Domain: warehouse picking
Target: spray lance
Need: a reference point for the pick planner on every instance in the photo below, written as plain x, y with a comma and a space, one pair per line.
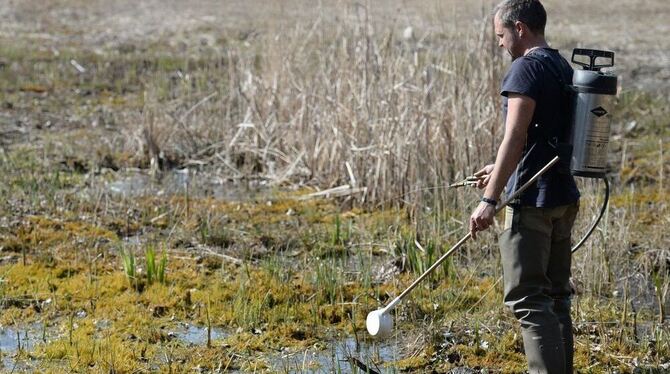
590, 95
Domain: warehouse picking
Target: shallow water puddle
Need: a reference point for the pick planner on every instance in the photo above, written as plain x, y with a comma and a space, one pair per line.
182, 182
195, 335
14, 339
343, 356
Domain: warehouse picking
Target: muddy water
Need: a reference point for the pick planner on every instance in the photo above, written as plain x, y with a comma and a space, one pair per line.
344, 355
339, 356
196, 335
14, 340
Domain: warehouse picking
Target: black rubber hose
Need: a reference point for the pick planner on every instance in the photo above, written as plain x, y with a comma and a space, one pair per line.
602, 213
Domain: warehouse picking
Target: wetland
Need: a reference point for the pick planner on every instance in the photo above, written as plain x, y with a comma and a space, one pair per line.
234, 187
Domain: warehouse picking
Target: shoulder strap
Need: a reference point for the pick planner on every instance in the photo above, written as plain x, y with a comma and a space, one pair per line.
547, 63
560, 146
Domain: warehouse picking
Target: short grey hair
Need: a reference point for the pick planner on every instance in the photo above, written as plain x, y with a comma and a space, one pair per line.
530, 12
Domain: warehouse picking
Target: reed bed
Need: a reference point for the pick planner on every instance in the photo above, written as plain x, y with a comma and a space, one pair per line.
333, 104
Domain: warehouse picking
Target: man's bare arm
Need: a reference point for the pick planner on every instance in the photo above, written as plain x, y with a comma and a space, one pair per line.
520, 110
519, 114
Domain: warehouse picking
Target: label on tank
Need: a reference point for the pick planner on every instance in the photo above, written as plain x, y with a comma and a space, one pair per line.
595, 156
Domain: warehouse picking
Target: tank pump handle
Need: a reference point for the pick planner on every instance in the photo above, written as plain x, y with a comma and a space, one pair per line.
592, 54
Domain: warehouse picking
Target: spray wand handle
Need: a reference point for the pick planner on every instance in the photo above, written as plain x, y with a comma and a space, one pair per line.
437, 263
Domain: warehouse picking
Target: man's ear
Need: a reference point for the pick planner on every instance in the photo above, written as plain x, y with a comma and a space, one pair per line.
520, 28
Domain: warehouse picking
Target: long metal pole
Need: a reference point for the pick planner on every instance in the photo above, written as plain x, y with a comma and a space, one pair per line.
437, 263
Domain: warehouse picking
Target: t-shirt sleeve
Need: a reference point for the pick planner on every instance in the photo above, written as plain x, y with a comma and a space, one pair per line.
522, 78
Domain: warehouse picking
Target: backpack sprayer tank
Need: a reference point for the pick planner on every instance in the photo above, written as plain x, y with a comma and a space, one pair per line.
594, 93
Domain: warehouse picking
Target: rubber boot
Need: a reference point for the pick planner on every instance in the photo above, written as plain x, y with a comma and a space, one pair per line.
544, 350
562, 311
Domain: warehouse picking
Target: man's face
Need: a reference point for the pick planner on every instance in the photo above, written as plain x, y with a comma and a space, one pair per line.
508, 38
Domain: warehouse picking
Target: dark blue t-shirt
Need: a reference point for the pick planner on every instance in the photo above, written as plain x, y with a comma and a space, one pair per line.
536, 75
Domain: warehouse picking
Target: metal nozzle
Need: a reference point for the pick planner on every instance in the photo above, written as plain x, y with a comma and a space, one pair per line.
469, 181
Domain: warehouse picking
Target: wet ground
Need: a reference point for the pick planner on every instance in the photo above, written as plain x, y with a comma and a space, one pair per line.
342, 356
184, 182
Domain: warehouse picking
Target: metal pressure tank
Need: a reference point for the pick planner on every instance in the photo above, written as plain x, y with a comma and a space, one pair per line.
595, 91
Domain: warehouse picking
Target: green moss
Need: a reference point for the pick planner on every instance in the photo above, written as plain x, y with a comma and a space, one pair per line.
416, 362
42, 233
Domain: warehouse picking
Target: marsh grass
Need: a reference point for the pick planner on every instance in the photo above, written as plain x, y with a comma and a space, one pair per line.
155, 271
129, 266
661, 285
327, 280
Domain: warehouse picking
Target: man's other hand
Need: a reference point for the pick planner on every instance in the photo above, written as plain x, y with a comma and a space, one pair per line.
484, 176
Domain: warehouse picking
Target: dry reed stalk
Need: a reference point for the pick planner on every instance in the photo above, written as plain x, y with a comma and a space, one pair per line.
324, 104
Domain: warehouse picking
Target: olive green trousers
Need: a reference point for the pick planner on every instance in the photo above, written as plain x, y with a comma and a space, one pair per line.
536, 257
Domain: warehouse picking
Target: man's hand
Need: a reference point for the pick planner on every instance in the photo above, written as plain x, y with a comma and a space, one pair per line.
484, 176
481, 218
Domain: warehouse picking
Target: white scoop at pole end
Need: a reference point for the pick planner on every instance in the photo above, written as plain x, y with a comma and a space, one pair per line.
379, 323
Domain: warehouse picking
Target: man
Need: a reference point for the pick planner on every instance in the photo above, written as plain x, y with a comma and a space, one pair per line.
535, 243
